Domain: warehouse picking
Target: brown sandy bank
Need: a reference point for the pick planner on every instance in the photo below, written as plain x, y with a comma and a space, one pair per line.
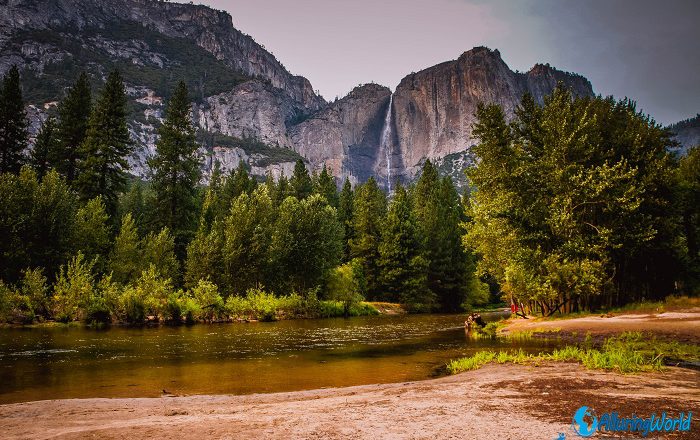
678, 325
498, 401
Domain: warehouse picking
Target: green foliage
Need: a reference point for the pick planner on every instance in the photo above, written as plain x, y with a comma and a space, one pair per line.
104, 152
125, 259
74, 290
74, 114
438, 213
344, 285
247, 235
368, 215
175, 171
688, 202
13, 123
306, 242
346, 209
36, 223
628, 353
44, 147
324, 185
92, 233
206, 296
301, 183
35, 289
573, 204
158, 252
403, 268
204, 256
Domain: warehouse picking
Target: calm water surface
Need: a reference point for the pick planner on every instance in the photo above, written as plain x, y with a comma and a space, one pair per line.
51, 363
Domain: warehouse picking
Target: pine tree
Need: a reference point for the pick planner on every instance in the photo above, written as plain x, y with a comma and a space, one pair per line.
238, 182
133, 202
324, 185
403, 269
44, 147
370, 208
106, 147
301, 183
345, 216
13, 123
438, 212
282, 190
175, 171
74, 114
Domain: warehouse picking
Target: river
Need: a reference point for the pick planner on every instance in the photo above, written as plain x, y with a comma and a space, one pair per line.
74, 362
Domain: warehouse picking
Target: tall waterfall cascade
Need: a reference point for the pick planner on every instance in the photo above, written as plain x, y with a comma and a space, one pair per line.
385, 142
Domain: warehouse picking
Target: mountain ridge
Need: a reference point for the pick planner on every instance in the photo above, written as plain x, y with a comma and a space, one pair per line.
242, 91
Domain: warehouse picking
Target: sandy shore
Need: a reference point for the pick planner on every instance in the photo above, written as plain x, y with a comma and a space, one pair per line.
677, 325
498, 401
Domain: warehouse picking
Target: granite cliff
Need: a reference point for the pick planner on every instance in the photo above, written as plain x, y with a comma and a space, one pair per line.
247, 106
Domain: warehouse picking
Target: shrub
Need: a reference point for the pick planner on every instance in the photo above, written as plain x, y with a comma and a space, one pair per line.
34, 288
211, 304
74, 290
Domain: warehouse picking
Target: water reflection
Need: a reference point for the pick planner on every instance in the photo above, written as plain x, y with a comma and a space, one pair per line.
48, 363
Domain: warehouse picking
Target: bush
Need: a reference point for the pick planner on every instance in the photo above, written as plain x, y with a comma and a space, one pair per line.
211, 304
74, 290
132, 306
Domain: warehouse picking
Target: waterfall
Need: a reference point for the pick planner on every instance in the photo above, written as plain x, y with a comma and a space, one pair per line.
386, 142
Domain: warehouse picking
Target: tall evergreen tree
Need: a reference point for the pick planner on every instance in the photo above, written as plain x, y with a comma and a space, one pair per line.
106, 147
73, 116
324, 185
13, 123
238, 182
301, 183
403, 269
438, 212
346, 209
44, 147
370, 208
175, 171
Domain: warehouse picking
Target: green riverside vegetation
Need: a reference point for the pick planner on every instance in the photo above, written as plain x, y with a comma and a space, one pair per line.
631, 352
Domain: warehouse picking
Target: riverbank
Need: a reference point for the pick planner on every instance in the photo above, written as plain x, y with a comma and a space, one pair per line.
681, 325
498, 401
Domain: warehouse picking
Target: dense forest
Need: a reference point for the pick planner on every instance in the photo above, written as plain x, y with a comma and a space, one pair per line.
84, 241
573, 205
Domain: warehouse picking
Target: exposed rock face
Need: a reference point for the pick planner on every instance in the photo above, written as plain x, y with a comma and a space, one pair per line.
434, 109
212, 30
249, 94
252, 109
345, 135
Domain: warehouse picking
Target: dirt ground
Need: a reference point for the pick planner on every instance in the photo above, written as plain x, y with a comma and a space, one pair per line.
496, 402
677, 325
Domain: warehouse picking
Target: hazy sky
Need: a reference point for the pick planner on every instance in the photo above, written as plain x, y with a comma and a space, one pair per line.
647, 50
